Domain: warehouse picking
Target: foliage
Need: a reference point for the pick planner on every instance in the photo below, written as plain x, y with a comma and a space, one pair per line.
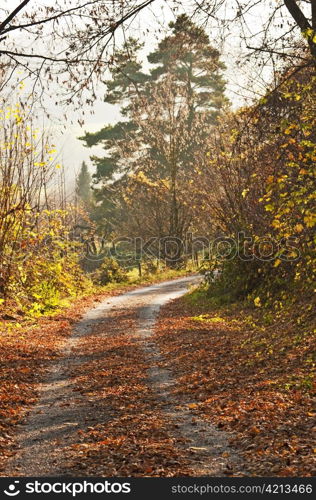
39, 261
110, 272
248, 377
264, 195
169, 111
83, 186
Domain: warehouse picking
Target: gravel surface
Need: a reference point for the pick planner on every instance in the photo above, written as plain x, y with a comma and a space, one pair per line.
53, 424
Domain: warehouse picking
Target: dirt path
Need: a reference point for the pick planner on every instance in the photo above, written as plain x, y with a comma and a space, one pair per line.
64, 433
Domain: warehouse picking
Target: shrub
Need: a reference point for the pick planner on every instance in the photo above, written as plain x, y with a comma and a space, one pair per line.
110, 272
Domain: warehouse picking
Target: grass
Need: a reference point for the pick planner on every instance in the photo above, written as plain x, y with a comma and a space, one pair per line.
270, 333
165, 274
250, 371
31, 314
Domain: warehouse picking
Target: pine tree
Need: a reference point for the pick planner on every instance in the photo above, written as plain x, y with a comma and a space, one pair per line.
168, 114
83, 185
194, 65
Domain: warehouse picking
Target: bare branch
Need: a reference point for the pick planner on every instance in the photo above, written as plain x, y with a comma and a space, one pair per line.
297, 14
13, 14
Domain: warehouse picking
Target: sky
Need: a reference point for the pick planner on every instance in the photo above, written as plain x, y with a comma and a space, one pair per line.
243, 83
72, 150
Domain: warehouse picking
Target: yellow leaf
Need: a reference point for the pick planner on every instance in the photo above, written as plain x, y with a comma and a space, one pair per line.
257, 302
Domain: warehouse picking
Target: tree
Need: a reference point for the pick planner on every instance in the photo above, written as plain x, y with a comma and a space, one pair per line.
259, 189
83, 185
38, 259
71, 43
266, 27
76, 40
169, 112
187, 56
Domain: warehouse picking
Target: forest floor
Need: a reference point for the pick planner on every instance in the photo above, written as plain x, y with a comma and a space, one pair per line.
252, 378
103, 389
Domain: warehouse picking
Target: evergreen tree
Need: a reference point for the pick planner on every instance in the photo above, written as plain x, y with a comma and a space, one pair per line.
194, 64
83, 185
168, 114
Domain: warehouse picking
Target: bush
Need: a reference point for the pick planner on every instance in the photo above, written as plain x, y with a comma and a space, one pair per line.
150, 267
110, 272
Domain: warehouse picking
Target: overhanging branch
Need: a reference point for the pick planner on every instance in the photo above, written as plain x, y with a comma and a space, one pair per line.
13, 14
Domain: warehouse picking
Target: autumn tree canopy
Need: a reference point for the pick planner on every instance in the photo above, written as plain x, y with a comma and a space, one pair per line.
71, 44
168, 113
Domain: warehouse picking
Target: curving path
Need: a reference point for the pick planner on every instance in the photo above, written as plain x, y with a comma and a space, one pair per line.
54, 421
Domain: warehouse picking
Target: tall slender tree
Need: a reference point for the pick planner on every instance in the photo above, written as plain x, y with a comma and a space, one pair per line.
168, 113
83, 185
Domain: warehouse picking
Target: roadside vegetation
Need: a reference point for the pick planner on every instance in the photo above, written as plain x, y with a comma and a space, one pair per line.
250, 372
188, 183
